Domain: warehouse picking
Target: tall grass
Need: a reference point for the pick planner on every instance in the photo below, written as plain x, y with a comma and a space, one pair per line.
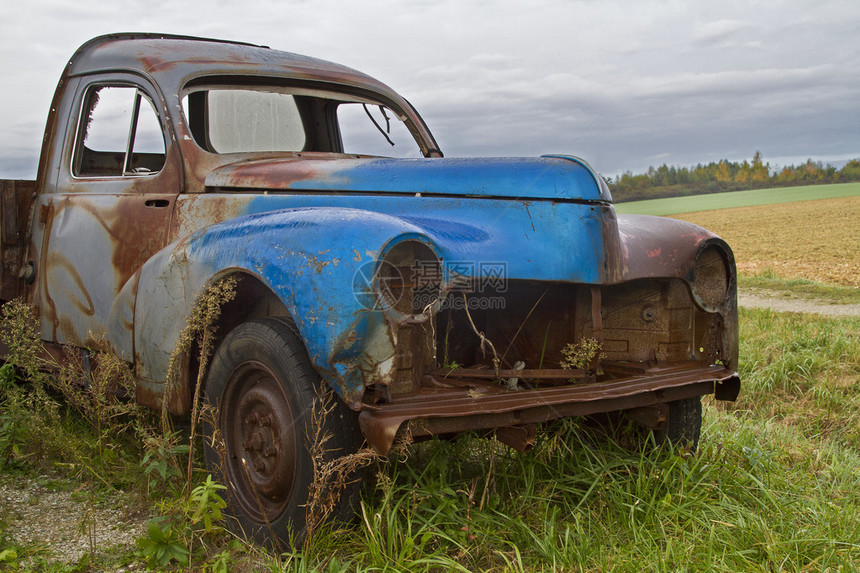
802, 372
75, 416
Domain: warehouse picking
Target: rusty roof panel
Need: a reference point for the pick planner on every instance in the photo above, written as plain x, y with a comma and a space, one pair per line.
187, 56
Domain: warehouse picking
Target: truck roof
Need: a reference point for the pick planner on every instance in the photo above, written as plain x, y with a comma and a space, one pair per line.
181, 58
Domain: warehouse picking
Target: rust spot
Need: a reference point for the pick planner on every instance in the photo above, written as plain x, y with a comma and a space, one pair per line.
57, 261
277, 173
43, 294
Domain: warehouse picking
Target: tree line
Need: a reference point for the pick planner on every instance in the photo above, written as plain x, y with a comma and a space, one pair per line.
724, 175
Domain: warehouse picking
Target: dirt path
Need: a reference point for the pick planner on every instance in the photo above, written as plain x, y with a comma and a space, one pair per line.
761, 298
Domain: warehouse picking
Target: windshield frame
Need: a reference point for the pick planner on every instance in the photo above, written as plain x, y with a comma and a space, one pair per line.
326, 97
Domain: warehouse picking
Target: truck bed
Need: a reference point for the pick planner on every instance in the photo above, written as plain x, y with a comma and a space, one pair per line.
17, 198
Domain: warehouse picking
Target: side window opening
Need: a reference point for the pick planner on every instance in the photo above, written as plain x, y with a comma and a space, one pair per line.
120, 134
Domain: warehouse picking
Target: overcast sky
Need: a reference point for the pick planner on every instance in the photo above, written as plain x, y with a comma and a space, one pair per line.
624, 84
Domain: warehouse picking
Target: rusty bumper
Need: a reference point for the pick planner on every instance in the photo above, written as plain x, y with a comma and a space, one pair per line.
468, 404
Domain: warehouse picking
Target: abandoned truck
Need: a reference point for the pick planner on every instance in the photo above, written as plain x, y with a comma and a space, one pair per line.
433, 295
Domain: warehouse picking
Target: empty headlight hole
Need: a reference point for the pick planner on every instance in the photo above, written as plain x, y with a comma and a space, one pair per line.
711, 278
409, 277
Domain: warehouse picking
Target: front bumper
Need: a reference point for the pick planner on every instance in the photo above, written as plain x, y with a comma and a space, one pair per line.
458, 403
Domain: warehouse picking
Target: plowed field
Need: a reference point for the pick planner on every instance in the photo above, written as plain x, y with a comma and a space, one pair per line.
816, 240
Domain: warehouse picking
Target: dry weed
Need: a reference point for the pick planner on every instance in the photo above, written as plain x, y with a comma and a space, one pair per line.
19, 331
97, 383
199, 329
93, 381
334, 474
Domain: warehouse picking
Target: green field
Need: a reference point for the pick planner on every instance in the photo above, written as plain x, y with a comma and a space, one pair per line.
689, 204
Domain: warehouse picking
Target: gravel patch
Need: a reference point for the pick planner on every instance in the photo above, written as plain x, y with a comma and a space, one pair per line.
760, 299
50, 513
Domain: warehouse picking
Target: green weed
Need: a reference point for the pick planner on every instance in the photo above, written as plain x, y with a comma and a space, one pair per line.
160, 462
162, 544
185, 526
580, 355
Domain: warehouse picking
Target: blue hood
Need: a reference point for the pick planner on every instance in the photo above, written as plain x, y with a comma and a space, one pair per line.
556, 178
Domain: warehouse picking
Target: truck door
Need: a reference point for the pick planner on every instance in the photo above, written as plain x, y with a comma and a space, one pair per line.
109, 212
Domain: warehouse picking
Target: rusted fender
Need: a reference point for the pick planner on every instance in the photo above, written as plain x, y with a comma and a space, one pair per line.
650, 246
307, 257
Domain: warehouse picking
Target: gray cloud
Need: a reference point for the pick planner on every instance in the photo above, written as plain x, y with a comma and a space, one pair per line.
625, 84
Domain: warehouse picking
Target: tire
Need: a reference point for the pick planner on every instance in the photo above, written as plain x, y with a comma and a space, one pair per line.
683, 426
263, 387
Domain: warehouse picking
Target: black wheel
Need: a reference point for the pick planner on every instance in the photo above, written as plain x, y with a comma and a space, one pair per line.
683, 426
263, 388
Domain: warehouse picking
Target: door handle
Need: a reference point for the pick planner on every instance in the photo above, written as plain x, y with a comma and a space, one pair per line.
157, 203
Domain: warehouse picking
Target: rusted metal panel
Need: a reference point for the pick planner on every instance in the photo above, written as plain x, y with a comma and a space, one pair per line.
92, 247
526, 374
8, 220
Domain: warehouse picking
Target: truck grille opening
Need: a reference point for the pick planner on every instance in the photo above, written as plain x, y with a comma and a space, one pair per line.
532, 323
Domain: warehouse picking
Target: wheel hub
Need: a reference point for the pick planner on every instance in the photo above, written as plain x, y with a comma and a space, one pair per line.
261, 446
261, 442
